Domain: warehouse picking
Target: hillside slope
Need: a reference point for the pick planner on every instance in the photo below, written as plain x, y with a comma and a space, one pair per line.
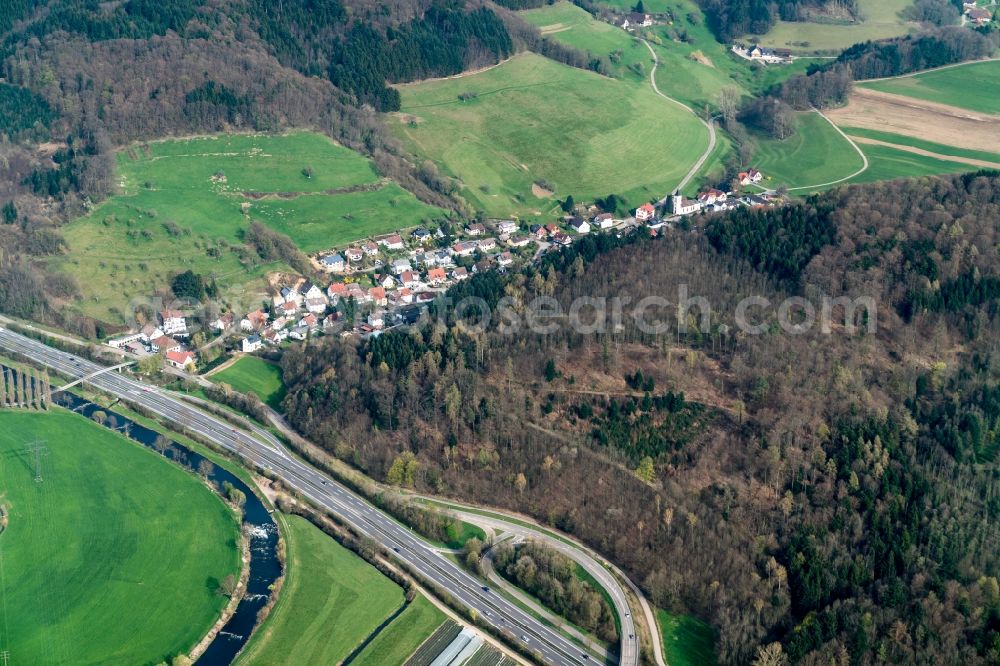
791, 486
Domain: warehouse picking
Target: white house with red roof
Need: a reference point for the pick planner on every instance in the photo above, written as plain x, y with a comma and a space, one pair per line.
180, 359
645, 212
173, 322
750, 177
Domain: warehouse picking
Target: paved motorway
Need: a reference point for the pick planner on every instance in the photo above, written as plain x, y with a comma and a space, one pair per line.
327, 493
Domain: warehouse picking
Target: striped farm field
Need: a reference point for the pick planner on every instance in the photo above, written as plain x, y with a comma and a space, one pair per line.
974, 86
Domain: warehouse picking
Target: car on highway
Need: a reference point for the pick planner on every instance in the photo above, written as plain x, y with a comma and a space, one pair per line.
485, 589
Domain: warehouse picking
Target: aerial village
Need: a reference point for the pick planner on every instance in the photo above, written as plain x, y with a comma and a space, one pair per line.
389, 280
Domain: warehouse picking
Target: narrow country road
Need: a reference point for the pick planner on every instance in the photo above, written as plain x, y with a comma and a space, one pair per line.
709, 124
864, 159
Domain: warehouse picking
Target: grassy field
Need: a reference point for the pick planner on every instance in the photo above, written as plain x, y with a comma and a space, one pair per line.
931, 146
183, 205
815, 154
250, 374
887, 163
974, 86
404, 635
317, 222
114, 558
881, 20
571, 25
330, 603
687, 641
533, 120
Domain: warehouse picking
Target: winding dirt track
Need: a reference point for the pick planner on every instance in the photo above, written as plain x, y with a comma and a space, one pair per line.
709, 124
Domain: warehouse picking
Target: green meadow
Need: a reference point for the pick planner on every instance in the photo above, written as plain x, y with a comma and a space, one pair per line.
694, 67
687, 641
532, 120
815, 154
250, 374
887, 163
931, 146
331, 601
403, 635
881, 19
184, 204
115, 557
974, 86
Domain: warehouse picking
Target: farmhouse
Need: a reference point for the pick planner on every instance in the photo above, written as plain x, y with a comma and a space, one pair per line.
645, 212
750, 177
637, 20
333, 263
979, 15
180, 359
580, 225
764, 54
164, 345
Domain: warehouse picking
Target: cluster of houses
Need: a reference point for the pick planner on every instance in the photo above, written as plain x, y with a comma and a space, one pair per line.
635, 20
382, 276
161, 338
758, 53
976, 15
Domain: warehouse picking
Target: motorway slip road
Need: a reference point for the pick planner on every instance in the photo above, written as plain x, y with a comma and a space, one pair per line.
323, 491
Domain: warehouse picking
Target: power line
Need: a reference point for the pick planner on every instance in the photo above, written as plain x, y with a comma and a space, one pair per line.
37, 449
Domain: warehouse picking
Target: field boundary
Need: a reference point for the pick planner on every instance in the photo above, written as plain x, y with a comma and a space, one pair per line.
864, 159
926, 71
971, 161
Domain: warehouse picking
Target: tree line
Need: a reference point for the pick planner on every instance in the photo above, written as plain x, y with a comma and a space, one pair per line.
731, 18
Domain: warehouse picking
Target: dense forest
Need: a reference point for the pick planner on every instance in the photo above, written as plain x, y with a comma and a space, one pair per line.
831, 494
